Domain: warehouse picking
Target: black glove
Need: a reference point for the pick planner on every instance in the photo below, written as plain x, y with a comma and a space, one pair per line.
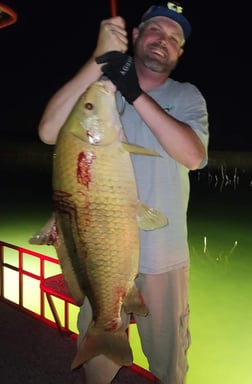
120, 69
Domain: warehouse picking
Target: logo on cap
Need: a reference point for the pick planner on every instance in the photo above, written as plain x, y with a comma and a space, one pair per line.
174, 7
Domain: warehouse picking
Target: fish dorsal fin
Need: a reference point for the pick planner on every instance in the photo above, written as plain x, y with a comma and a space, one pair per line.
137, 149
150, 219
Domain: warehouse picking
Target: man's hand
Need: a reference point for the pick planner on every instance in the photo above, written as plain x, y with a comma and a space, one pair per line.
112, 36
120, 69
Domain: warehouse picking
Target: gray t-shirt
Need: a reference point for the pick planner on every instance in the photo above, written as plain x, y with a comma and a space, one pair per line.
162, 182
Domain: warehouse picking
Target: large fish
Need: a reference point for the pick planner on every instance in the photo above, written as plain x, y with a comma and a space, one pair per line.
97, 219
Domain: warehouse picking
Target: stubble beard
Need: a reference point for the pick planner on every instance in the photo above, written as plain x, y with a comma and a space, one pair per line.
157, 65
151, 61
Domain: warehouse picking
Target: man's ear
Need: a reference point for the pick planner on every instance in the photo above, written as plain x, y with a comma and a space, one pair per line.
181, 51
135, 34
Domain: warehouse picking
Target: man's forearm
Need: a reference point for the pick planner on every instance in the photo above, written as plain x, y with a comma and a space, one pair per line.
61, 104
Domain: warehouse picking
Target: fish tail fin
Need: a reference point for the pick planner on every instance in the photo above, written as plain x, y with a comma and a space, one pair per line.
134, 302
114, 345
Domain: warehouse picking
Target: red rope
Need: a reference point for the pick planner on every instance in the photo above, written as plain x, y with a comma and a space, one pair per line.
113, 8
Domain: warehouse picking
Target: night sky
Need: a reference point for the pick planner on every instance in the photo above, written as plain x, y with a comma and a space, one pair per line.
51, 40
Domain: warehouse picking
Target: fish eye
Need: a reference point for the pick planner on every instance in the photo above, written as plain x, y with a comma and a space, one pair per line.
89, 106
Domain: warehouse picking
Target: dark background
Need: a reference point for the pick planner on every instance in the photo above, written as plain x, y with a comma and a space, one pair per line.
53, 38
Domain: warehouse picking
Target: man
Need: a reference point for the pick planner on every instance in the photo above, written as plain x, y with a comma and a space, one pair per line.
171, 118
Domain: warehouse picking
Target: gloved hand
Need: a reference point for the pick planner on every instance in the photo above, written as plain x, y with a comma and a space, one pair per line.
120, 69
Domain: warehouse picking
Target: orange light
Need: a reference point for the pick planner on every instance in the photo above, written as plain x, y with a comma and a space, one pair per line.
7, 15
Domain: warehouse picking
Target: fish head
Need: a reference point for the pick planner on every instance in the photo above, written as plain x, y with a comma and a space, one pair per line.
95, 118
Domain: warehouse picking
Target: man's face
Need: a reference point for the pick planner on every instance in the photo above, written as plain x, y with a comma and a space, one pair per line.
158, 44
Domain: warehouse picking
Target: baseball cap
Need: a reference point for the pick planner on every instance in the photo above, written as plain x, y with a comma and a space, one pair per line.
171, 10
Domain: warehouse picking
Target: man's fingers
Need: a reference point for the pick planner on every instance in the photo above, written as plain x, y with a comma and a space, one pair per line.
116, 21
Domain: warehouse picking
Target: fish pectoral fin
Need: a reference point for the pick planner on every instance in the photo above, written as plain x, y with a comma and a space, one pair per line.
133, 302
47, 235
149, 218
138, 150
114, 345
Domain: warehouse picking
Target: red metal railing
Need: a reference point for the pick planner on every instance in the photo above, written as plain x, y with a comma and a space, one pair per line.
46, 288
22, 272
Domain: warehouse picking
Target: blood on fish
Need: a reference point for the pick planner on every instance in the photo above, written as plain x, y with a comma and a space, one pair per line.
84, 168
113, 324
54, 235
